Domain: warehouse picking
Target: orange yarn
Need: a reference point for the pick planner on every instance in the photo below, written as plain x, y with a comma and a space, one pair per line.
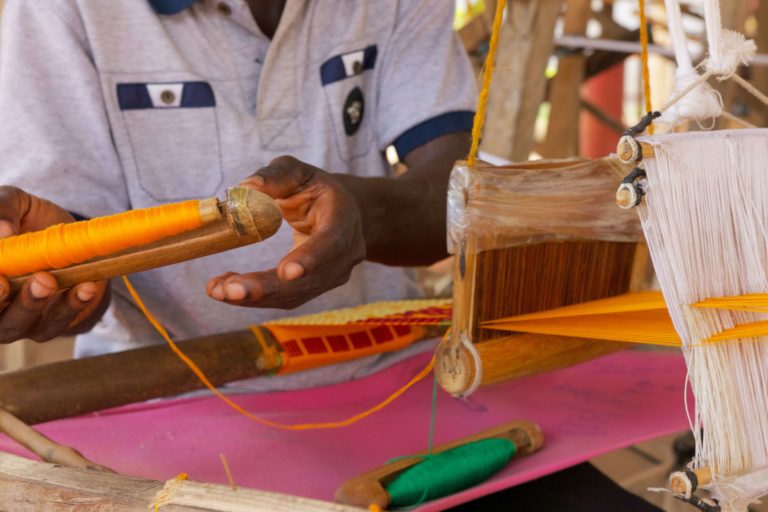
644, 59
301, 426
66, 244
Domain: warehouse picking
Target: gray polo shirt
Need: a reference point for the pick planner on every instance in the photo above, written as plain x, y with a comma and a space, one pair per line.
108, 106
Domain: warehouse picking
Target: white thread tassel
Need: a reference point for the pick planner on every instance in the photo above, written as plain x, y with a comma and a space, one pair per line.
689, 100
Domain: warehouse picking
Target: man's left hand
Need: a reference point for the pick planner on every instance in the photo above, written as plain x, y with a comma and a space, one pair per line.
327, 227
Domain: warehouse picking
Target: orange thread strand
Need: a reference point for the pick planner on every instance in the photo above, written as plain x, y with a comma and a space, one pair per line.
67, 244
482, 100
644, 59
234, 405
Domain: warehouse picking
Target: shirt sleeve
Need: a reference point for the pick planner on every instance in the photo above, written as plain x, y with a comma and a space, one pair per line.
427, 86
55, 139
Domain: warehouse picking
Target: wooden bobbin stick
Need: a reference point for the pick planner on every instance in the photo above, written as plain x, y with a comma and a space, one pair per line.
245, 218
79, 386
370, 488
631, 151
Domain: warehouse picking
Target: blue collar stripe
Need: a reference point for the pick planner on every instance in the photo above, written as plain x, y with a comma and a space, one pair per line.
170, 6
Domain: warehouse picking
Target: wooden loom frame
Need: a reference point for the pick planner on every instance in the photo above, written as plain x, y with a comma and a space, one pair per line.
516, 355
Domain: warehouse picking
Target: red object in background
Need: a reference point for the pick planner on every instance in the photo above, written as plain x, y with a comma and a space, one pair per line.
606, 92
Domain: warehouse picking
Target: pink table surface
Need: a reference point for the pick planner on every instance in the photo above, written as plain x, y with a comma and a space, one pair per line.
583, 411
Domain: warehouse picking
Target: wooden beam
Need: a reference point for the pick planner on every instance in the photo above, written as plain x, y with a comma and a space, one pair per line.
562, 139
29, 486
519, 82
758, 113
734, 16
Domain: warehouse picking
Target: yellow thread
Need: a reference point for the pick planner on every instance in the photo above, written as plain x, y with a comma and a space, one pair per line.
165, 494
644, 59
482, 101
302, 426
66, 244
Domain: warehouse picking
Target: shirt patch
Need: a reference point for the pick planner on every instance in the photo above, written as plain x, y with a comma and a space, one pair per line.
348, 64
165, 95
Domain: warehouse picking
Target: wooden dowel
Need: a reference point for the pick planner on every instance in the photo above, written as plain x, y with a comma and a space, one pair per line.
685, 482
630, 150
70, 388
370, 488
245, 218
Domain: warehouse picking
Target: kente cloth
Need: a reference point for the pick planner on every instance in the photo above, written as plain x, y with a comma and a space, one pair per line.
584, 411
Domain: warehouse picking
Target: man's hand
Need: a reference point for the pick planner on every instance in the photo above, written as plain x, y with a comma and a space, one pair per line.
40, 310
328, 233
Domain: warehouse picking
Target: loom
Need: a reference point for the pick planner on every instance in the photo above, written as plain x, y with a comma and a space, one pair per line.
531, 237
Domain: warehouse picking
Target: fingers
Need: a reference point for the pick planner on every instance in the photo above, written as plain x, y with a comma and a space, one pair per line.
23, 311
66, 310
21, 212
41, 312
14, 205
340, 245
267, 290
282, 177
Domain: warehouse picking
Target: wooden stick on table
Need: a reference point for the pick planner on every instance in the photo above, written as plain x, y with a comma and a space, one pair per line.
43, 446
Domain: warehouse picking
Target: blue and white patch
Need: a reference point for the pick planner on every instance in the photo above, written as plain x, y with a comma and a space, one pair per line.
138, 96
348, 65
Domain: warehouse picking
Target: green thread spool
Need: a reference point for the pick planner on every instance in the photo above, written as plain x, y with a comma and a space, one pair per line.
450, 471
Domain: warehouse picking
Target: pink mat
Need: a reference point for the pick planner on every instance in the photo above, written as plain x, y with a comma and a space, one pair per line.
584, 411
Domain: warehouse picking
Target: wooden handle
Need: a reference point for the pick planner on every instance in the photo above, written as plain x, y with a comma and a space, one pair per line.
245, 218
370, 488
79, 386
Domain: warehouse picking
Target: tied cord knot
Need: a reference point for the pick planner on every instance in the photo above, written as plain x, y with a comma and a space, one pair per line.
642, 125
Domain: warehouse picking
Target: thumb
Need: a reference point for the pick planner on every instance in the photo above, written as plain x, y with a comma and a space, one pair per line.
281, 178
14, 205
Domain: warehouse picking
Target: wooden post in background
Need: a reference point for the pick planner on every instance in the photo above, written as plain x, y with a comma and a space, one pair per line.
562, 139
734, 15
758, 113
519, 81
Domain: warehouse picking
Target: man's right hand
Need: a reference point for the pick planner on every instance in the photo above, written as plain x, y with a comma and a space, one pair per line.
40, 311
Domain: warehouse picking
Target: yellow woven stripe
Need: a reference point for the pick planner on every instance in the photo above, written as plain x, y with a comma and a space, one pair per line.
362, 312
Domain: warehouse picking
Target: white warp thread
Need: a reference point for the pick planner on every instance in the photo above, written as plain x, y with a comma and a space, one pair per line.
705, 218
